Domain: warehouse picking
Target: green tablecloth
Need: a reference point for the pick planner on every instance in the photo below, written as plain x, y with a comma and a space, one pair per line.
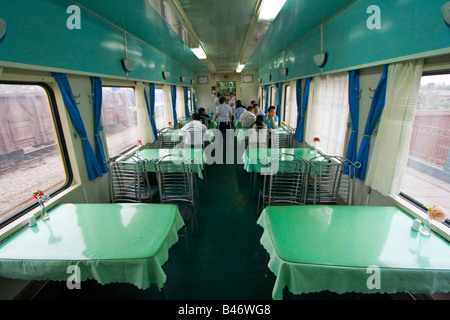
211, 125
242, 133
196, 155
108, 242
316, 248
178, 135
256, 159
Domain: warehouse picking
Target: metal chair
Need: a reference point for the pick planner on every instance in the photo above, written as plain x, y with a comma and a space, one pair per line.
167, 137
327, 184
258, 138
129, 181
176, 185
287, 175
285, 140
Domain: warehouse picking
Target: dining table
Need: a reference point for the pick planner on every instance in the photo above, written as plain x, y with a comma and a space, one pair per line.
107, 242
196, 157
362, 249
177, 136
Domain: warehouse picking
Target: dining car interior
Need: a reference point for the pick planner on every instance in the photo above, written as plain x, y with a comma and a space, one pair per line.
254, 150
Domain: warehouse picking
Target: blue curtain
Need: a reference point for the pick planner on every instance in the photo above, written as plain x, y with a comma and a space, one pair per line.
173, 92
151, 108
374, 114
280, 96
93, 168
186, 102
266, 89
193, 100
97, 101
353, 104
304, 103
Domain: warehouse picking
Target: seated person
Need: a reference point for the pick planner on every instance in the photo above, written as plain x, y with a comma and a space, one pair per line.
239, 109
247, 118
272, 118
257, 110
259, 123
204, 117
196, 131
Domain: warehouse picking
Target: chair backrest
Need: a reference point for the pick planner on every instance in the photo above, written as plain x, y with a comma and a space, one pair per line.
288, 177
129, 181
174, 179
205, 121
167, 137
258, 138
327, 183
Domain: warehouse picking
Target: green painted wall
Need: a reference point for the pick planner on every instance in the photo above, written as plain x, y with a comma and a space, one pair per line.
407, 27
37, 34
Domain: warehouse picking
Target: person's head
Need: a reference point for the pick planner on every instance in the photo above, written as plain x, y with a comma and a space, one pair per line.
260, 118
255, 108
238, 104
221, 100
231, 94
219, 94
201, 111
271, 111
250, 108
252, 102
196, 116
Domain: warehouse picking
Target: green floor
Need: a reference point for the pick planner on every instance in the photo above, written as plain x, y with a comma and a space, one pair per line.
226, 260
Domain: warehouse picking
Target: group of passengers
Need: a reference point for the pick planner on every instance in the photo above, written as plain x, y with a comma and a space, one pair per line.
227, 112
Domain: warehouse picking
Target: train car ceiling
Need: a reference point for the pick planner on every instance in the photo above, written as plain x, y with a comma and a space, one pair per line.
159, 35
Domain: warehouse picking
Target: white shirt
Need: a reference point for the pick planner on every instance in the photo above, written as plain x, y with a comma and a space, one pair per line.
247, 119
232, 103
195, 133
224, 112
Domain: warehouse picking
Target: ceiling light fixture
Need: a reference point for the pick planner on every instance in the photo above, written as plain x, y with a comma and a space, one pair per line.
199, 52
270, 9
240, 67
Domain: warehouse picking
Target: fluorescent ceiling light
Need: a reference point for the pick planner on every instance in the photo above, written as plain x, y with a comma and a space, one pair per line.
240, 67
270, 9
199, 52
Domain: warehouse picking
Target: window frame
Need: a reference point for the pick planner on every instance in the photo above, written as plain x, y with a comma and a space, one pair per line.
61, 143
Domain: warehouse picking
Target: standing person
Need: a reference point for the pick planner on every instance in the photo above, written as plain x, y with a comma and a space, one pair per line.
232, 102
223, 116
216, 101
272, 118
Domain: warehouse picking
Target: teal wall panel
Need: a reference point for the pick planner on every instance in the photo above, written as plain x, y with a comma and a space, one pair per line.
407, 27
37, 35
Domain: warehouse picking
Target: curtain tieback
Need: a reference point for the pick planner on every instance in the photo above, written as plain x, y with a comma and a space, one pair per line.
367, 136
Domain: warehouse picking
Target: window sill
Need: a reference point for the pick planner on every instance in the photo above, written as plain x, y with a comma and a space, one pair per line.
416, 213
23, 220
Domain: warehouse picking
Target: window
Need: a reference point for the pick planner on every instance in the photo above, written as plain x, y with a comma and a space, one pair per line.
427, 177
32, 152
119, 116
328, 113
160, 111
291, 112
287, 106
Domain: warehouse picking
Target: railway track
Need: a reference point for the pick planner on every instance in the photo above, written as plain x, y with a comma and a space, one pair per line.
32, 155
